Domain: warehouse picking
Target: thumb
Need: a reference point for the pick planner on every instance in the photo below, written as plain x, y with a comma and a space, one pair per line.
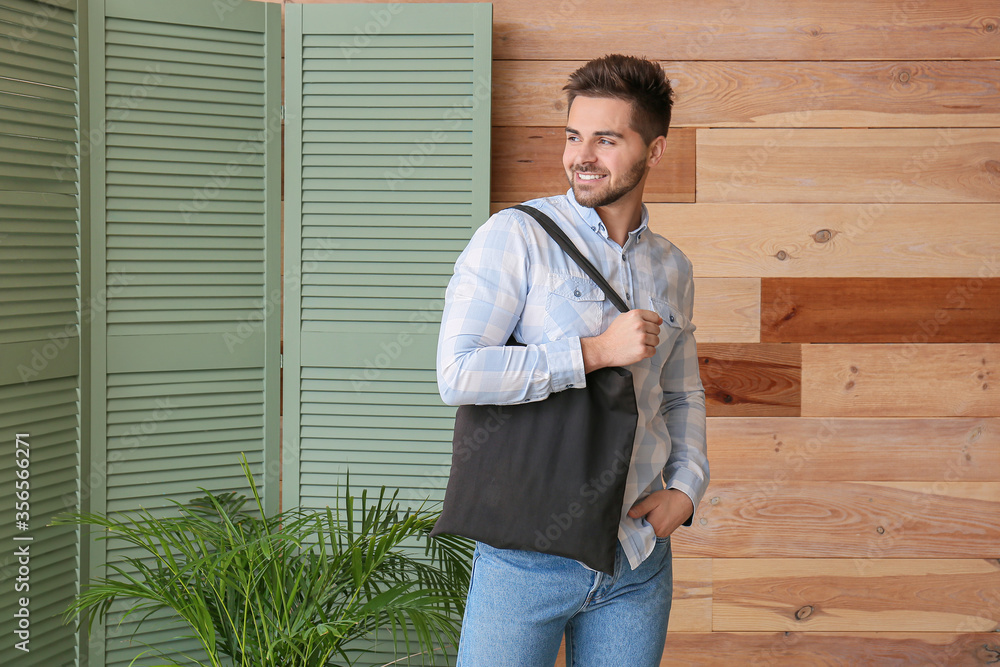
641, 508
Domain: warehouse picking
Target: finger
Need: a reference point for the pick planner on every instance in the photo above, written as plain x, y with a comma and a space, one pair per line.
650, 316
641, 508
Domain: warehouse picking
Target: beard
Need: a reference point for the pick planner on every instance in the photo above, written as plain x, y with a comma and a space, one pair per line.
613, 191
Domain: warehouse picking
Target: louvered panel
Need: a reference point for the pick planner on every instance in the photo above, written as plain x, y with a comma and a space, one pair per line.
384, 425
48, 411
397, 148
39, 324
122, 646
190, 169
190, 261
170, 434
156, 420
387, 168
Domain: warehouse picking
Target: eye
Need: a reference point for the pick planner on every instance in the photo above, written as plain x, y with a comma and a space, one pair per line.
606, 142
572, 137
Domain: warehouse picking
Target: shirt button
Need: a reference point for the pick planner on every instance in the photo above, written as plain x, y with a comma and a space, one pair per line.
628, 296
623, 257
576, 292
569, 386
671, 318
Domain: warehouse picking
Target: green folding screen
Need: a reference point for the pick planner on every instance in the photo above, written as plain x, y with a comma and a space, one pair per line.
387, 174
39, 327
185, 232
140, 165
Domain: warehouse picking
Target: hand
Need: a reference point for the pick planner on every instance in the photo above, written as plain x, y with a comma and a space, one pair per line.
633, 336
664, 510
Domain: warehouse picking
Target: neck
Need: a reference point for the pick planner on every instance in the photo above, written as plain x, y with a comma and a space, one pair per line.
623, 216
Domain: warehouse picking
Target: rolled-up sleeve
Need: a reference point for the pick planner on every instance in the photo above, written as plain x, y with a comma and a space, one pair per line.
483, 303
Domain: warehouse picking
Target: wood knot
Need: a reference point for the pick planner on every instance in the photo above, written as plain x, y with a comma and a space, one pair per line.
727, 398
880, 530
822, 236
992, 166
781, 255
990, 27
904, 77
804, 612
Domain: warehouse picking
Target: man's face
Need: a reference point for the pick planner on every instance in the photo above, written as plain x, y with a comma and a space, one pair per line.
605, 159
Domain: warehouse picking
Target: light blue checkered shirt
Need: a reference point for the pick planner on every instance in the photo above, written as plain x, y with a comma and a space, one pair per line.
513, 277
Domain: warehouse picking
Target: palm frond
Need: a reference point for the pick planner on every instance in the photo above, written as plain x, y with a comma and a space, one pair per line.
289, 590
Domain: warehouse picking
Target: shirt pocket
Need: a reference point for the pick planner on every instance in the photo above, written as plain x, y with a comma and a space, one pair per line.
574, 306
674, 322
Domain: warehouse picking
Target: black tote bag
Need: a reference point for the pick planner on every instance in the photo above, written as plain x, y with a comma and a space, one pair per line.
547, 476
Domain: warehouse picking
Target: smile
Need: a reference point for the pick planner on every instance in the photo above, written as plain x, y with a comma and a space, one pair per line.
589, 177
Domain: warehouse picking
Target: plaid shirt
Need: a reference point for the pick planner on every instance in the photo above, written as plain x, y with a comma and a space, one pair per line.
512, 277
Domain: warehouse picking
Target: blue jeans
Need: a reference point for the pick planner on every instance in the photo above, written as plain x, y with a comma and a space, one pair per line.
520, 603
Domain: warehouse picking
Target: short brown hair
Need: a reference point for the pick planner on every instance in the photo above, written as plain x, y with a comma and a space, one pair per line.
638, 81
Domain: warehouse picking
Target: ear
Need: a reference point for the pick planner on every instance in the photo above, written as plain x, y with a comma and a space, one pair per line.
655, 151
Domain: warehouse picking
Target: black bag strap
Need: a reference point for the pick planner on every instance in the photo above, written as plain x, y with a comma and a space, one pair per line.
566, 244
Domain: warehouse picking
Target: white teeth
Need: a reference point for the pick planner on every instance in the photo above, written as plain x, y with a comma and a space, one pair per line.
590, 177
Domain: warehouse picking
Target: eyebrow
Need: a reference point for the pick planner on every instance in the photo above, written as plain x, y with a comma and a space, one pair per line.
599, 133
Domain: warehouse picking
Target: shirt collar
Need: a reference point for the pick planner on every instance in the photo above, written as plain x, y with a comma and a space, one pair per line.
593, 220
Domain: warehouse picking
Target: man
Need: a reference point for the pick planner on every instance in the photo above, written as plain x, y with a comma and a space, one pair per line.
513, 277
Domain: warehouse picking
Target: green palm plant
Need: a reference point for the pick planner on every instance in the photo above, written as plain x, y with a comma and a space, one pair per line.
290, 590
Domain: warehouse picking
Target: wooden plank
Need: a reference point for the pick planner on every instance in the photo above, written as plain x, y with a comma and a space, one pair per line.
860, 520
744, 30
691, 606
740, 30
881, 310
727, 310
847, 240
779, 94
527, 163
933, 380
831, 594
741, 379
825, 449
831, 649
883, 165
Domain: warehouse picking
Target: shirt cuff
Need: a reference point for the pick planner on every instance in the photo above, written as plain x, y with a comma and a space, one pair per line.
690, 484
565, 362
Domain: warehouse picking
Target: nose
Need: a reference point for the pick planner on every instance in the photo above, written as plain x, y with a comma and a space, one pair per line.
585, 153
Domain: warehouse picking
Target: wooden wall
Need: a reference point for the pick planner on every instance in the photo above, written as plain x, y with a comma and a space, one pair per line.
834, 175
